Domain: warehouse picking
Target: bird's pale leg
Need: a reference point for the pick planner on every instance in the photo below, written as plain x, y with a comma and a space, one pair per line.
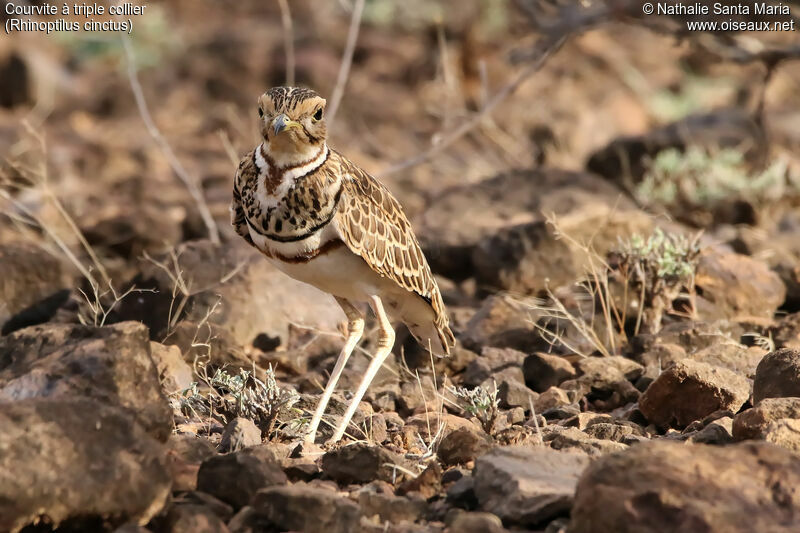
355, 328
385, 343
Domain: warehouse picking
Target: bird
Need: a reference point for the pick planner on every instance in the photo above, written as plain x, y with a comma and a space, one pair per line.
324, 221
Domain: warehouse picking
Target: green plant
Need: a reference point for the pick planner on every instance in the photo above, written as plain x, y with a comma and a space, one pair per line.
698, 177
480, 402
227, 396
660, 267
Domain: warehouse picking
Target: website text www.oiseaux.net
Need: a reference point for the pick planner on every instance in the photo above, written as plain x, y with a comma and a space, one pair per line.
779, 13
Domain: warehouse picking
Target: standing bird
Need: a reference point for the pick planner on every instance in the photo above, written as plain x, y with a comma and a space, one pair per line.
322, 220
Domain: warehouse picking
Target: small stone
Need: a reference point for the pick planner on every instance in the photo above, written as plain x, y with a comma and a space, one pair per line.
360, 463
552, 397
543, 371
689, 391
575, 438
375, 500
234, 478
239, 433
192, 518
527, 487
304, 508
785, 433
777, 375
465, 522
428, 484
752, 423
513, 393
462, 446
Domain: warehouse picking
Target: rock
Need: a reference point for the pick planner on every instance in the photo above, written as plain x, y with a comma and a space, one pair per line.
377, 499
543, 370
527, 487
240, 433
575, 438
427, 426
461, 494
111, 364
491, 365
174, 373
305, 509
185, 455
531, 257
244, 294
718, 432
234, 478
606, 381
785, 433
663, 486
624, 160
689, 391
475, 523
75, 458
462, 446
33, 285
359, 463
734, 285
733, 356
513, 393
501, 322
552, 397
465, 215
193, 518
18, 89
777, 375
428, 484
786, 333
752, 423
615, 432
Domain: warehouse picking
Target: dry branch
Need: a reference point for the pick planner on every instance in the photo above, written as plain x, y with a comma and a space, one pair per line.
347, 61
188, 180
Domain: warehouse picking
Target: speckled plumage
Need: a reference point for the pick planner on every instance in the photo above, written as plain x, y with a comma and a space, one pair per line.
323, 220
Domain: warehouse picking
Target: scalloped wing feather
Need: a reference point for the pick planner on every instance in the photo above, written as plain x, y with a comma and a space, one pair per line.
372, 224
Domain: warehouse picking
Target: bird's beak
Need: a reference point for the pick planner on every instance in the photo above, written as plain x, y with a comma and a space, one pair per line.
282, 122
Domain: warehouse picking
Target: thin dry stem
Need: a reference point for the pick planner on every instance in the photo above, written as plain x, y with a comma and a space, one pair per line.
288, 40
189, 181
347, 61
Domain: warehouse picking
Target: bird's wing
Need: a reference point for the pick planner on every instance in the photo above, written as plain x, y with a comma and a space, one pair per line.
246, 171
372, 224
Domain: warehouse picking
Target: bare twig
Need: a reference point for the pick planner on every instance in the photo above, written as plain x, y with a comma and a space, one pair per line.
347, 61
288, 40
447, 140
189, 181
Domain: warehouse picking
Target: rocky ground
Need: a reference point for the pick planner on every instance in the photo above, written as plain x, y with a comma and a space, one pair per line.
627, 360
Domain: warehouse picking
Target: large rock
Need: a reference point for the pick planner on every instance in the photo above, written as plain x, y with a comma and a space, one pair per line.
111, 364
625, 160
241, 290
33, 284
463, 216
306, 509
733, 285
665, 487
501, 322
690, 390
77, 459
529, 258
777, 375
527, 486
753, 423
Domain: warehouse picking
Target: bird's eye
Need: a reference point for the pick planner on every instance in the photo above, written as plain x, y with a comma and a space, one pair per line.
318, 114
260, 112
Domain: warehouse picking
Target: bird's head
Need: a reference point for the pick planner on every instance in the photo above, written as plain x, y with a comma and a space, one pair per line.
292, 123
